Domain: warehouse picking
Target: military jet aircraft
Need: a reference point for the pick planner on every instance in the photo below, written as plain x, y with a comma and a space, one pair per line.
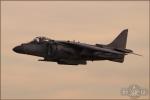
75, 53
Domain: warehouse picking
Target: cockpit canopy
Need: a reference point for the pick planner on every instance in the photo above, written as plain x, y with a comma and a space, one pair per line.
40, 39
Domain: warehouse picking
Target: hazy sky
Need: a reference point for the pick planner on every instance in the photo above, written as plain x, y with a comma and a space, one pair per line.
90, 22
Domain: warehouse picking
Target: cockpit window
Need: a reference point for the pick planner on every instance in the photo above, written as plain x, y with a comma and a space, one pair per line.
39, 39
36, 40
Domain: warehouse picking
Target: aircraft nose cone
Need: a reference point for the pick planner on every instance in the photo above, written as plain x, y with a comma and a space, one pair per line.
18, 49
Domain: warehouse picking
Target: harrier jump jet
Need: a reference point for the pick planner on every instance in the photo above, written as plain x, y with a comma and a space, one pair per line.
75, 53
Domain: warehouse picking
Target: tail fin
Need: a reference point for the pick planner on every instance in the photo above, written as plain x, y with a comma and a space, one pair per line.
120, 41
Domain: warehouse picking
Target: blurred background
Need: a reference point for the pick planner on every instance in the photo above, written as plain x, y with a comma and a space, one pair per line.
23, 77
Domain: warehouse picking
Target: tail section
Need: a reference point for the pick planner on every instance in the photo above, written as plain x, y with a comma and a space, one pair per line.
120, 41
119, 44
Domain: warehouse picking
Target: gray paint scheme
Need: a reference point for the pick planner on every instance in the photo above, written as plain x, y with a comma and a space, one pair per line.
75, 53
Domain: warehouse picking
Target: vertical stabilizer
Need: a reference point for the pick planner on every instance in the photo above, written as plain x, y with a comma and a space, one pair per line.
120, 41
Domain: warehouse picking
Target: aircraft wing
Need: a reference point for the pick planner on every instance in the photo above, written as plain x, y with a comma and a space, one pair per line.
87, 46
